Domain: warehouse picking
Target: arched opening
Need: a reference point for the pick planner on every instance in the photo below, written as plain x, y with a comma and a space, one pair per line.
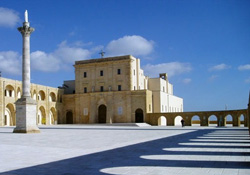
228, 120
41, 116
102, 114
241, 120
52, 116
9, 91
162, 121
196, 121
139, 116
34, 95
18, 93
69, 117
52, 97
9, 115
212, 120
41, 95
177, 121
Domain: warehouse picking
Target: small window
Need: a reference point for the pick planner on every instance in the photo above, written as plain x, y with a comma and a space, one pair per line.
101, 88
134, 72
85, 74
101, 73
118, 71
119, 87
85, 89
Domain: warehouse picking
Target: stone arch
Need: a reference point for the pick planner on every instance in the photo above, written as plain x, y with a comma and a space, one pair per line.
34, 95
241, 120
139, 118
228, 120
52, 97
41, 116
162, 121
102, 113
19, 94
9, 115
69, 117
212, 120
9, 91
196, 120
177, 120
41, 95
52, 116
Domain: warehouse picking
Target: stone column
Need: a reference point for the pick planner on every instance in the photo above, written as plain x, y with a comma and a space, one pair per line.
26, 106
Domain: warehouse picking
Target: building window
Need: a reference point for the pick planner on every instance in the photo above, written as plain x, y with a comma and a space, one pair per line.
134, 87
134, 72
85, 89
119, 87
101, 73
85, 74
118, 71
163, 89
101, 88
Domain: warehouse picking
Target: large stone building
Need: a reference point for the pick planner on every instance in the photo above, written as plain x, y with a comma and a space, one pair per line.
105, 90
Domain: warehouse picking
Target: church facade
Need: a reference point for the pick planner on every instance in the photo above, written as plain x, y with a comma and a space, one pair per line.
105, 90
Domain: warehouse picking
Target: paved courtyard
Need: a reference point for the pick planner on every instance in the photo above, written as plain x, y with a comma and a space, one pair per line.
130, 150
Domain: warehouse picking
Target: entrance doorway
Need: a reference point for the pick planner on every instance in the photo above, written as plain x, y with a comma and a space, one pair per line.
102, 114
139, 116
69, 117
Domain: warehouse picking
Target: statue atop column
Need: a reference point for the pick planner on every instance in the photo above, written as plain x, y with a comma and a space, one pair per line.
26, 106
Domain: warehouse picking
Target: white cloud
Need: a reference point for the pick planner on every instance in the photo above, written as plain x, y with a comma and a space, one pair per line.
8, 17
244, 67
10, 62
213, 77
44, 62
172, 68
247, 80
219, 67
187, 80
130, 45
70, 54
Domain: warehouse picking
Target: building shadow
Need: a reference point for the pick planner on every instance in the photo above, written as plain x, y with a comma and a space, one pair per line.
136, 156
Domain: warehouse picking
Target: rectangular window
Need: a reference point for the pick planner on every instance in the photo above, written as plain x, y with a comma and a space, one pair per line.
85, 74
134, 72
118, 71
85, 89
101, 88
101, 73
119, 87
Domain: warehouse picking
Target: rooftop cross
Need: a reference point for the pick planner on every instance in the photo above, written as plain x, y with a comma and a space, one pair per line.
102, 53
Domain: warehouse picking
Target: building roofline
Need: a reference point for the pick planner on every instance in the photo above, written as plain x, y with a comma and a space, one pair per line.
98, 60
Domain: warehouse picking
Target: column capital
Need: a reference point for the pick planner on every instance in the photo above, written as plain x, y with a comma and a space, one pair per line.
26, 30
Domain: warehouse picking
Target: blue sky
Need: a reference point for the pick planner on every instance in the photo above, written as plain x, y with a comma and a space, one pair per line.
204, 46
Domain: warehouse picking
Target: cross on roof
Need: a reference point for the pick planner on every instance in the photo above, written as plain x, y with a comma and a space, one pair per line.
102, 53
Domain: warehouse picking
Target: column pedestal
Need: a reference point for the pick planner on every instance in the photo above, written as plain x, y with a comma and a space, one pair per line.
26, 116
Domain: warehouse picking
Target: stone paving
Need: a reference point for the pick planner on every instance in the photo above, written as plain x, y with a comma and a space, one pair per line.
126, 150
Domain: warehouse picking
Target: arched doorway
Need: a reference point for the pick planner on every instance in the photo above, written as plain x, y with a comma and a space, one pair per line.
196, 120
139, 116
41, 116
177, 121
241, 120
102, 114
9, 115
162, 121
69, 117
212, 120
52, 116
229, 120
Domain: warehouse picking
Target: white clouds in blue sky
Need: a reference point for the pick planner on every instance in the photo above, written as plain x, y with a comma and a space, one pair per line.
244, 67
130, 45
10, 62
8, 17
172, 69
219, 67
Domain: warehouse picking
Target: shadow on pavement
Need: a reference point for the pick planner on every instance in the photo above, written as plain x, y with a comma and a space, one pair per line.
131, 156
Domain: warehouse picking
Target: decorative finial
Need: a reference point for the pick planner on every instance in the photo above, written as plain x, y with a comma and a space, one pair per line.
102, 53
26, 16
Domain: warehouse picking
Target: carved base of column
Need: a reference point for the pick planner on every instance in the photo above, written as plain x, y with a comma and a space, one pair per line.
26, 116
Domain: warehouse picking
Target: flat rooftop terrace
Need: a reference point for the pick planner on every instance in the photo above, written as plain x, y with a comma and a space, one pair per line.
127, 150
